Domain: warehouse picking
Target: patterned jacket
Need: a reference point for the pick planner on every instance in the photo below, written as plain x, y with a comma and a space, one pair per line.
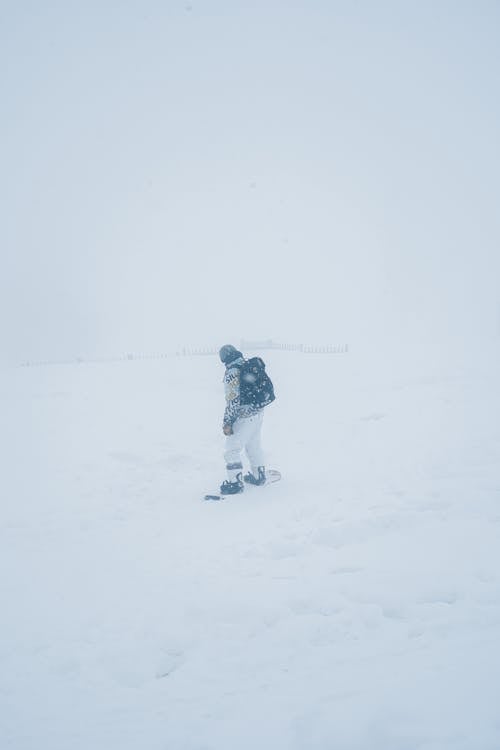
234, 410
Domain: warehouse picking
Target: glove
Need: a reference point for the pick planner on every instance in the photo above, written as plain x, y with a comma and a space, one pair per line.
227, 429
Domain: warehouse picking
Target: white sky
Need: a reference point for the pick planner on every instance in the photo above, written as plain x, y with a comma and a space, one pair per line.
196, 172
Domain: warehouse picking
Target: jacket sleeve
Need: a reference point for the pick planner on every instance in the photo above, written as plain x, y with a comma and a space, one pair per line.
232, 393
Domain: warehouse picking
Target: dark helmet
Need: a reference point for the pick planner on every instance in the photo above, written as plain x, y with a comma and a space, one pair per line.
228, 353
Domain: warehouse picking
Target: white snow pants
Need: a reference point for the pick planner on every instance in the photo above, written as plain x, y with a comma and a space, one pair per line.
246, 435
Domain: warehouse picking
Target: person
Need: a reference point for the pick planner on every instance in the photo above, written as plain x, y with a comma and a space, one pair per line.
241, 424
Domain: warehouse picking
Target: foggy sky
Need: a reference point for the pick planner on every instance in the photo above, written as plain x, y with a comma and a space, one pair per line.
179, 173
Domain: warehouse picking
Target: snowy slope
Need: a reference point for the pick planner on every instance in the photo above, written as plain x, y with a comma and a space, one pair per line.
355, 605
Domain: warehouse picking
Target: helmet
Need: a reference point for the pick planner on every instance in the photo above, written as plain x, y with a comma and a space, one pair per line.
228, 353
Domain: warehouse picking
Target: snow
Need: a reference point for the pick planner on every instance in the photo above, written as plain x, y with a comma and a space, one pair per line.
353, 605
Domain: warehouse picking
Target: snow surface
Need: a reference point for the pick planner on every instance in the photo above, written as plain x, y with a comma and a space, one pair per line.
355, 605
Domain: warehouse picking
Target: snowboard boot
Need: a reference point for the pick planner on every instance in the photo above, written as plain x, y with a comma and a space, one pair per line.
256, 476
232, 488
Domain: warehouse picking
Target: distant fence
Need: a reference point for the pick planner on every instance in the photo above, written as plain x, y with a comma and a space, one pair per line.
246, 346
196, 352
304, 348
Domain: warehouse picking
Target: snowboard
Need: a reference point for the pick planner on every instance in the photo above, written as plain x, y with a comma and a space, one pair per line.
272, 475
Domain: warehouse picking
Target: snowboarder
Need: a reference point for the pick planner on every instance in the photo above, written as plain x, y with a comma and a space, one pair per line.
242, 425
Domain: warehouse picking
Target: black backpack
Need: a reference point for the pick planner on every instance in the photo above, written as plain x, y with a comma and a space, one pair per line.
256, 388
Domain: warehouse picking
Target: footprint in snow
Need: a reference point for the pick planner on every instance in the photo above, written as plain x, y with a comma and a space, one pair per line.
345, 571
125, 457
169, 662
440, 597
